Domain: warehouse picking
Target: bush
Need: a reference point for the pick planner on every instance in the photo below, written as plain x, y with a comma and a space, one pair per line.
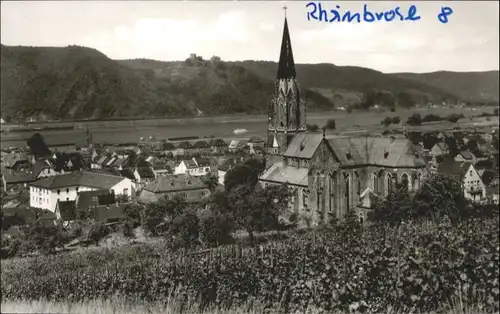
330, 124
414, 119
312, 127
455, 117
97, 232
432, 117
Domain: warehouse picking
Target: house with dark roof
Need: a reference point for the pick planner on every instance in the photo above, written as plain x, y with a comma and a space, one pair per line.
110, 213
45, 193
15, 182
470, 178
81, 208
439, 149
43, 168
192, 189
465, 156
17, 161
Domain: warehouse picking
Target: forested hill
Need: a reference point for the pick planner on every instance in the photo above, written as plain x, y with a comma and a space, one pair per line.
76, 82
470, 86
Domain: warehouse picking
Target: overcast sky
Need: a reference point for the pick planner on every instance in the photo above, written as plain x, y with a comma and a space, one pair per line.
237, 30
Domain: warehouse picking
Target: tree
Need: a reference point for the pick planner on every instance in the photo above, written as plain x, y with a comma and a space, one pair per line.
243, 174
312, 127
258, 209
45, 238
133, 213
414, 119
396, 120
386, 122
330, 124
184, 229
37, 145
158, 216
211, 181
97, 232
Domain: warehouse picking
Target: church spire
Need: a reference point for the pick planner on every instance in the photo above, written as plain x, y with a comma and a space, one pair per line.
286, 65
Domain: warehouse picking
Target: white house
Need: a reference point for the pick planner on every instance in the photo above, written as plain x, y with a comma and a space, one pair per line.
193, 167
474, 188
45, 193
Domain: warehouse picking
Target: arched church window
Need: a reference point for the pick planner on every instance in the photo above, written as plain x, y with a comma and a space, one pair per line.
405, 181
304, 198
282, 124
375, 182
347, 190
389, 184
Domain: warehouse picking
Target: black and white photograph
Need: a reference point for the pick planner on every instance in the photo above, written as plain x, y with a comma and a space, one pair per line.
221, 157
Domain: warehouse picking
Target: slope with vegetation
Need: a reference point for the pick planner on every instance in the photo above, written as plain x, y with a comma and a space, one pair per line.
470, 86
76, 82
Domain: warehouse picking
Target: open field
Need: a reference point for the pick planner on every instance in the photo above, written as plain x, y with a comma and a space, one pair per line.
256, 125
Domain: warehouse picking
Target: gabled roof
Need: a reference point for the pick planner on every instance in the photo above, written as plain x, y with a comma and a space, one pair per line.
114, 211
303, 145
285, 174
18, 177
190, 163
466, 154
90, 179
452, 168
178, 182
39, 166
85, 199
379, 151
203, 162
10, 160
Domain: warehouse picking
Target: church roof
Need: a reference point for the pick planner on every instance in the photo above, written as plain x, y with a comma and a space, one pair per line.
286, 65
303, 145
285, 174
381, 151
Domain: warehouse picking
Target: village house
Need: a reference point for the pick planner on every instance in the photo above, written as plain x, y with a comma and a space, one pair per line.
473, 187
17, 162
15, 182
81, 207
192, 189
439, 149
195, 167
465, 156
45, 193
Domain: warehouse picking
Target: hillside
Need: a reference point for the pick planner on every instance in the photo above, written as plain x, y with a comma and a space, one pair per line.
75, 82
470, 86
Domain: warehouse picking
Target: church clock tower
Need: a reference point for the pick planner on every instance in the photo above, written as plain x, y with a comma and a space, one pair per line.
287, 110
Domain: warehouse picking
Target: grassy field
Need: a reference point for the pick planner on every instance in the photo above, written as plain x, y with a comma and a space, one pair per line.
122, 306
126, 131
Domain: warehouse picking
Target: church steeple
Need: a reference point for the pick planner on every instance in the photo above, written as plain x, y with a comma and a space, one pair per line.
287, 112
286, 65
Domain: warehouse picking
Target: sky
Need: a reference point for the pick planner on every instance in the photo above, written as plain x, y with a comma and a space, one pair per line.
252, 30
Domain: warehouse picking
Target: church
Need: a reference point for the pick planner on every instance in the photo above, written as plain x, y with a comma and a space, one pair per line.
329, 174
